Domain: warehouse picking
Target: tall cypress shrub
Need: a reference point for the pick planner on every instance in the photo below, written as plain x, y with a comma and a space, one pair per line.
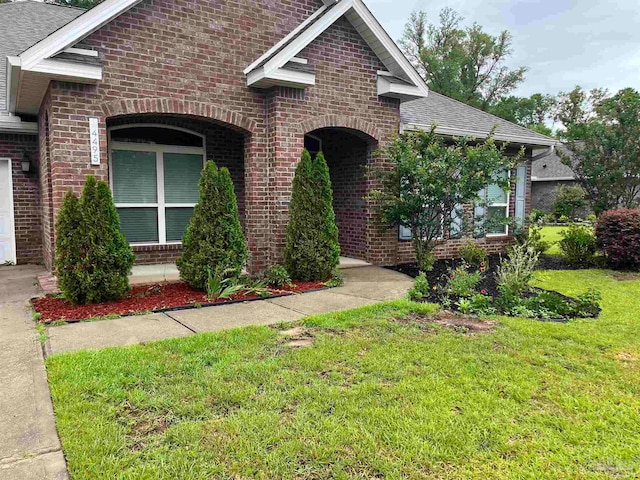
312, 250
214, 239
68, 248
93, 257
107, 256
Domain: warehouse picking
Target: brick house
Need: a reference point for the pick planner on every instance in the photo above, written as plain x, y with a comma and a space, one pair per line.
140, 92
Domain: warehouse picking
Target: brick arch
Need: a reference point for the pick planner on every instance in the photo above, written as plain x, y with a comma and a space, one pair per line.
340, 121
177, 107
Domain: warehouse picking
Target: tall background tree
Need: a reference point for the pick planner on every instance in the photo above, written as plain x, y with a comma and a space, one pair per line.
602, 134
469, 65
465, 63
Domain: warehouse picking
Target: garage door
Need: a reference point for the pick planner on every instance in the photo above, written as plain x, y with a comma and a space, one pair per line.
7, 241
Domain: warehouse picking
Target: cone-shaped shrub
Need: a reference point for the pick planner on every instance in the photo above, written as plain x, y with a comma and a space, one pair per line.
93, 256
312, 250
68, 248
214, 239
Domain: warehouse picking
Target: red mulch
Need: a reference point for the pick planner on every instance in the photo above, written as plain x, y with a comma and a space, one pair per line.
147, 298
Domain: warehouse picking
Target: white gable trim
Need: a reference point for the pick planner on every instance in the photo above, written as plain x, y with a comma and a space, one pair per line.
286, 39
324, 18
303, 40
75, 31
389, 45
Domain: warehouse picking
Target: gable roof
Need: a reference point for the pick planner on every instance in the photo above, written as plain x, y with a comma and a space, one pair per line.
454, 118
279, 56
550, 168
23, 24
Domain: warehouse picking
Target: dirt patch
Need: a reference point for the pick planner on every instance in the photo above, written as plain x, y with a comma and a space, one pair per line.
625, 276
451, 320
143, 426
626, 357
298, 337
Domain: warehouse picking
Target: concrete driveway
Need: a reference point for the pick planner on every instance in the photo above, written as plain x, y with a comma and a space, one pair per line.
30, 448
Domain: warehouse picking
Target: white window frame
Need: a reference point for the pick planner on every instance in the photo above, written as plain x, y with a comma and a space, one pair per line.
499, 204
159, 151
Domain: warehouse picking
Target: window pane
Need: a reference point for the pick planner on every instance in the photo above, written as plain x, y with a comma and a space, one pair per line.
181, 177
134, 177
495, 194
177, 220
497, 216
139, 224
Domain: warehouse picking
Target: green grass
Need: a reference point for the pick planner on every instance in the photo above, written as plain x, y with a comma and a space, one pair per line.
552, 235
370, 398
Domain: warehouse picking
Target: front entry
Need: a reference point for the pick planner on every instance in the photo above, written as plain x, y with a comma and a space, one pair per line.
7, 231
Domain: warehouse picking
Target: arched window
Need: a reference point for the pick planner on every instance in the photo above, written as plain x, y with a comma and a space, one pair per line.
154, 174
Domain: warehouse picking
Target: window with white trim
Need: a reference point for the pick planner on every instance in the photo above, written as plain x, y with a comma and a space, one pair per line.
497, 208
155, 185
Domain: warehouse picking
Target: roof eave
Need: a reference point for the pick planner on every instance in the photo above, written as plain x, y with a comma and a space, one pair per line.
459, 132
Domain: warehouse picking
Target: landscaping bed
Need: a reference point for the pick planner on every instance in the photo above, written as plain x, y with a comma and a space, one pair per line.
153, 298
533, 302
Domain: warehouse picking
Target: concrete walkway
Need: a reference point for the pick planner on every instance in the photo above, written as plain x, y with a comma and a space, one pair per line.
30, 448
363, 286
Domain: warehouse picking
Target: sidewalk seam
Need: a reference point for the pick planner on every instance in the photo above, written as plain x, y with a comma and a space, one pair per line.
180, 323
27, 456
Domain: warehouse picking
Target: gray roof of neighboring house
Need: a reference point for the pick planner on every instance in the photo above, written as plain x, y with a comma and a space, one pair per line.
457, 119
23, 24
550, 168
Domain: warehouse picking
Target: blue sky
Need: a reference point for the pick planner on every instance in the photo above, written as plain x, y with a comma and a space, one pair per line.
563, 42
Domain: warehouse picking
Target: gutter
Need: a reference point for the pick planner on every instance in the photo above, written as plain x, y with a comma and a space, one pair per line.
459, 132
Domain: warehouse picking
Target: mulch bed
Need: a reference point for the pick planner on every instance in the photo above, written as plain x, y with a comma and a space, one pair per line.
439, 276
151, 298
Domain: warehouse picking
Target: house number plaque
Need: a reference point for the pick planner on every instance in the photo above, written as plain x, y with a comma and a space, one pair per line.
94, 134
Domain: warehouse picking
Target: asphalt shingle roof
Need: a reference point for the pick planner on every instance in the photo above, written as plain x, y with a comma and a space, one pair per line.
451, 115
23, 24
551, 167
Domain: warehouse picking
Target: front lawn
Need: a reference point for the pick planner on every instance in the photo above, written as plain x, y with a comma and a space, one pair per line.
370, 397
552, 235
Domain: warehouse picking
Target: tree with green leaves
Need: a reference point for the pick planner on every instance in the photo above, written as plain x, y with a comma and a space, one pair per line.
214, 241
312, 250
534, 112
93, 257
465, 63
602, 135
431, 181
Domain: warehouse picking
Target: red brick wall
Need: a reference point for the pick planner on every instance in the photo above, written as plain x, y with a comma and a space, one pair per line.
347, 156
190, 57
179, 57
26, 195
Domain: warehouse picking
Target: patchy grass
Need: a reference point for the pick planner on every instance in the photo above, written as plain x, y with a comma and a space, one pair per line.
369, 397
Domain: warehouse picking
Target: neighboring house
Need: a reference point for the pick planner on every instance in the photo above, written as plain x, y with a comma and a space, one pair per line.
140, 92
548, 173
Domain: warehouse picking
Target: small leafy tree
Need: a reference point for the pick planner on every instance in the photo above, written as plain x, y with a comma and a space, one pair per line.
569, 200
68, 248
214, 241
93, 257
603, 137
312, 250
431, 179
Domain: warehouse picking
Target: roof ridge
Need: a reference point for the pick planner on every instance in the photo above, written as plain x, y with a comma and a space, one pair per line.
492, 115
